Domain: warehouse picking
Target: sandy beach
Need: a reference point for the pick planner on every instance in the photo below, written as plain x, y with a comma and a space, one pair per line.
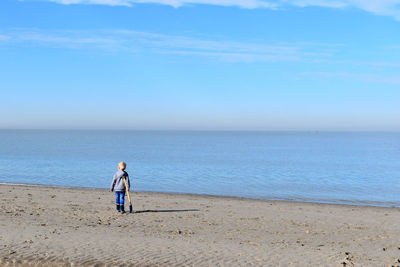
49, 226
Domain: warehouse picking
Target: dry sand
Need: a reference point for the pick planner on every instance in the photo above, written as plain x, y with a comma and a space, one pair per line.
72, 227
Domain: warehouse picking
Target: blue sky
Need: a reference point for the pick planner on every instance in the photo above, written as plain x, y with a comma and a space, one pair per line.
200, 64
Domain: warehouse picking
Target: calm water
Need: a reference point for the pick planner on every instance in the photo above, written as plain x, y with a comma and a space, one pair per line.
360, 168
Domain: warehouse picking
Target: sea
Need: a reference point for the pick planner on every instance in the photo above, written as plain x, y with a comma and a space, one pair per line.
361, 168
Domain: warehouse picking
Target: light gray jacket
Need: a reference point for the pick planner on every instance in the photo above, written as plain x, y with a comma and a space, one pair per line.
118, 181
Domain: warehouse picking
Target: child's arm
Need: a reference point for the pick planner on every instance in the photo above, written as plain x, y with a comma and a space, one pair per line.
113, 183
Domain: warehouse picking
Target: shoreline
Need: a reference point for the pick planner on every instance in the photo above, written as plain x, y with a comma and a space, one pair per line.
309, 201
53, 226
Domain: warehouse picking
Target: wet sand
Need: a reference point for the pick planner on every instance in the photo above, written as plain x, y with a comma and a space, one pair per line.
48, 226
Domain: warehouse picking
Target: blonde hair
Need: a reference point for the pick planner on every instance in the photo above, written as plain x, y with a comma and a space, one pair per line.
122, 165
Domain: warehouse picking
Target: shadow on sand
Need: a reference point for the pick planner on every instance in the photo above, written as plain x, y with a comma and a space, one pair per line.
144, 211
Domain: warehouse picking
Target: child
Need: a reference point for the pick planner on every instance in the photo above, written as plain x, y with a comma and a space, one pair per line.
118, 185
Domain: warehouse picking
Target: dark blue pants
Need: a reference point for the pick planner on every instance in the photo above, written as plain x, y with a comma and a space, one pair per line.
119, 197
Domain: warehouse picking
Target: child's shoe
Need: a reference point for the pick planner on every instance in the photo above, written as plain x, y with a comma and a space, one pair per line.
118, 207
122, 208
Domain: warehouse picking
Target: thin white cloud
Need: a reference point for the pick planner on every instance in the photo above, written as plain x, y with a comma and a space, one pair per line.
320, 3
369, 78
379, 7
175, 3
131, 42
97, 2
393, 64
4, 37
128, 41
68, 39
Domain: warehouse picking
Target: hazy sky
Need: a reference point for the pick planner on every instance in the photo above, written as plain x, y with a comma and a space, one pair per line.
200, 64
